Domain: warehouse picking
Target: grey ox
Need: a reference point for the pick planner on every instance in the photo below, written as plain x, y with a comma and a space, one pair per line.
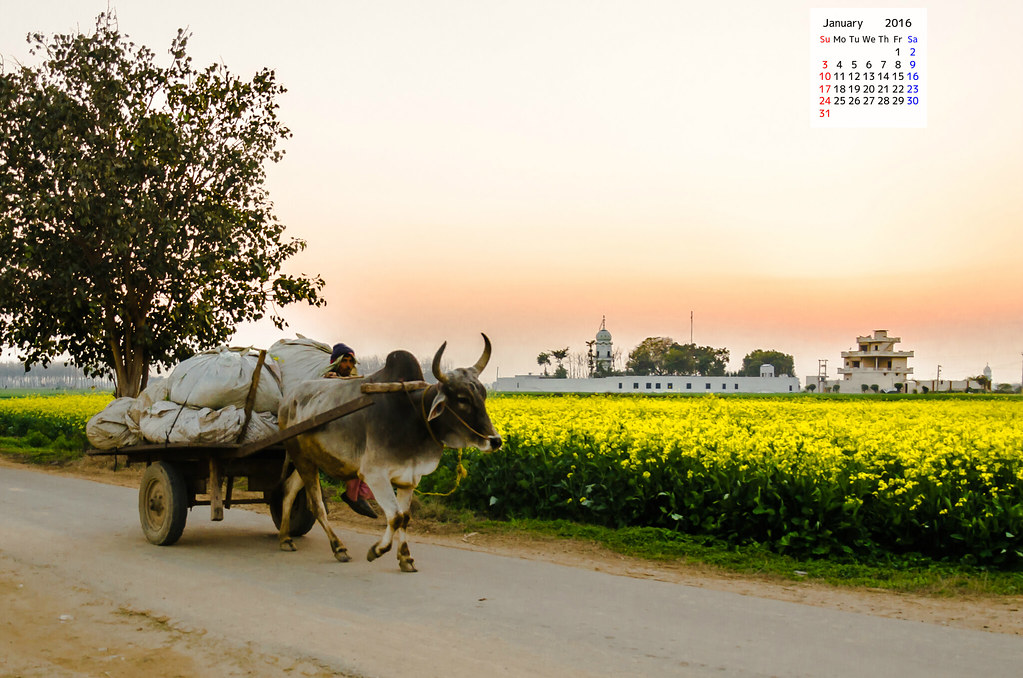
390, 445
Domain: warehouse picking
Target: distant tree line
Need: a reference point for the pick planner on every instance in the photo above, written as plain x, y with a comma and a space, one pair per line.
54, 376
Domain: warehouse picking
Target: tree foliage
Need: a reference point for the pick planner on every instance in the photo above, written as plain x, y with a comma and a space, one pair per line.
648, 356
662, 356
784, 364
983, 380
544, 360
135, 225
559, 355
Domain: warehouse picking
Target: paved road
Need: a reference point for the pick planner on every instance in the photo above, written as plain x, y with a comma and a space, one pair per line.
464, 614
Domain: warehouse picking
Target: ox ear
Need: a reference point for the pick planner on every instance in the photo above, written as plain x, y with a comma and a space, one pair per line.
437, 408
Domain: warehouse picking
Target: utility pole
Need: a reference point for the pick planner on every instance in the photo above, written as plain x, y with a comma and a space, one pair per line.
690, 327
938, 386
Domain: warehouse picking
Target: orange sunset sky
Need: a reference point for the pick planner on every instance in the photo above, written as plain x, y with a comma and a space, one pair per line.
525, 168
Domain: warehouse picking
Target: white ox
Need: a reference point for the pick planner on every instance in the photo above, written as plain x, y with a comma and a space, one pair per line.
390, 445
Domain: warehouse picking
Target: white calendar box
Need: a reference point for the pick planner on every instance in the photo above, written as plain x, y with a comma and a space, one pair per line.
868, 68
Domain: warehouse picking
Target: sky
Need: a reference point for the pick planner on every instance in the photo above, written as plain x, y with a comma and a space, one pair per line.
526, 169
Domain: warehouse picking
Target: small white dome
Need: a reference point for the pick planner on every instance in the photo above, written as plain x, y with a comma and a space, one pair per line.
603, 335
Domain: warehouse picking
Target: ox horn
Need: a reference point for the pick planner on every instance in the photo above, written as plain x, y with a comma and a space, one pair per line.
485, 358
436, 364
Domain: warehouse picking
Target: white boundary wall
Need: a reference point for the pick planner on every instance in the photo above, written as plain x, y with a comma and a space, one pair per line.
532, 383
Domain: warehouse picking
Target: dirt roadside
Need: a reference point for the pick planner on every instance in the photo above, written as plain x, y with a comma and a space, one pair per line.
52, 629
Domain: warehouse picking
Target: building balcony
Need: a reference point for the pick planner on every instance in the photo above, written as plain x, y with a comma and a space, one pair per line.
877, 354
864, 370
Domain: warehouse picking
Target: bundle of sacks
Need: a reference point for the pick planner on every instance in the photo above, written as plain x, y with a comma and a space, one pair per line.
203, 399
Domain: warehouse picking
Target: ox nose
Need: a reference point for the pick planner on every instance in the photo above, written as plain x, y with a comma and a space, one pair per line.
495, 442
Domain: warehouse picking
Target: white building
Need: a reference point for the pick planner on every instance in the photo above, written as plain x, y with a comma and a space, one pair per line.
877, 362
602, 346
531, 383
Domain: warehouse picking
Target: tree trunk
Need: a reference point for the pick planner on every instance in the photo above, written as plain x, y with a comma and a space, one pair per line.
135, 373
131, 370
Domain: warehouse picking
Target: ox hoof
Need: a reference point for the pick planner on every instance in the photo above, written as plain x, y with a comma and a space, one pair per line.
407, 565
288, 545
341, 555
372, 555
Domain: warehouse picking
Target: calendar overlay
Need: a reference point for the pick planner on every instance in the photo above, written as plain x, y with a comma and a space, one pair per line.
868, 68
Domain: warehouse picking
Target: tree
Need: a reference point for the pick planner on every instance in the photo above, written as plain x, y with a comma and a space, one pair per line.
662, 356
648, 357
835, 388
710, 362
864, 388
543, 360
983, 380
578, 366
784, 364
135, 225
560, 354
811, 387
692, 359
679, 360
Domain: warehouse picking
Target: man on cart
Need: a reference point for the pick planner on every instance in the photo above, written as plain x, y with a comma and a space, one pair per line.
342, 366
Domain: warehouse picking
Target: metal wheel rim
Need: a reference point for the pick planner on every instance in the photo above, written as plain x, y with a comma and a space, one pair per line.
156, 504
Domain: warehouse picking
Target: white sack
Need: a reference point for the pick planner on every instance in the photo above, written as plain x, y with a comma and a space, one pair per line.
190, 424
155, 392
108, 429
300, 360
221, 377
261, 425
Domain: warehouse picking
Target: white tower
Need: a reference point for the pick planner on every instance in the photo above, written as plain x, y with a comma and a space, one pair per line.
602, 349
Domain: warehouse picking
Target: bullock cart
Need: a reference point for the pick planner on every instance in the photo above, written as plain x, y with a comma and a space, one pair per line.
179, 476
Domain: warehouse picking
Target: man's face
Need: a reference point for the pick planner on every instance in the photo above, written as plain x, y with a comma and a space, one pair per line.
346, 365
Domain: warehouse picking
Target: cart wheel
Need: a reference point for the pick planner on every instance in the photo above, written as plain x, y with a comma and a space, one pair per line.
163, 503
302, 519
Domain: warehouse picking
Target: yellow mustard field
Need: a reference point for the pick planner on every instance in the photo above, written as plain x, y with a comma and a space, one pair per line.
932, 440
818, 475
50, 416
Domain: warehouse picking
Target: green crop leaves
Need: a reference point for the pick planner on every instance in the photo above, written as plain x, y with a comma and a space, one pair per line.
842, 478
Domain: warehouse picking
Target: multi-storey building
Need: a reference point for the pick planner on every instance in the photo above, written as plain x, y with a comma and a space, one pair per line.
875, 361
